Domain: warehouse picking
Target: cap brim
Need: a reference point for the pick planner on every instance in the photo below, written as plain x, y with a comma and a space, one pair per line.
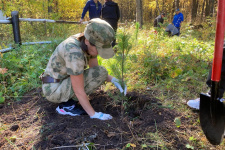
105, 53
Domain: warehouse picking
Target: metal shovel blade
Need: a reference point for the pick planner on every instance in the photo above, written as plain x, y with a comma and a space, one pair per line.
212, 123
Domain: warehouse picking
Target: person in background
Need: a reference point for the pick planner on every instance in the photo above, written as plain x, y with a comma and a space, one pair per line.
3, 70
159, 19
172, 30
94, 7
196, 102
67, 77
178, 19
111, 13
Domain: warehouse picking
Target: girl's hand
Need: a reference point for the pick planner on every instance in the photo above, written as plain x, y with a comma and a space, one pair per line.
101, 116
117, 84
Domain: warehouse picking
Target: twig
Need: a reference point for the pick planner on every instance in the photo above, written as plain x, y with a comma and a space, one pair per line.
81, 145
33, 103
131, 131
14, 112
11, 143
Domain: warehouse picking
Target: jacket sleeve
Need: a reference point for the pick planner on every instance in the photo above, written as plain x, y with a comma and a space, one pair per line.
155, 22
118, 12
86, 8
174, 20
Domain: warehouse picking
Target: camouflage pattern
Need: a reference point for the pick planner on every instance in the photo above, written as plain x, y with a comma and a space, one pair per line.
101, 34
68, 59
62, 92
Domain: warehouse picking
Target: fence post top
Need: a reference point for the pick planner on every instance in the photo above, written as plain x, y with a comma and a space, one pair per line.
14, 13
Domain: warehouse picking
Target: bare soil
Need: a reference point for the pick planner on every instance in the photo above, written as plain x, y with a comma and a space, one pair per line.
32, 123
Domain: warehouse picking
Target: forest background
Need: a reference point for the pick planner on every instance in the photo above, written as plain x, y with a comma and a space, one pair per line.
193, 10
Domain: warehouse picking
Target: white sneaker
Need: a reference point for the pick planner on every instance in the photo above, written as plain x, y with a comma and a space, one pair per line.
196, 103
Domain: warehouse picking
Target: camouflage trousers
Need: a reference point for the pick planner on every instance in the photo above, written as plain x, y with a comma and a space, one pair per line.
63, 91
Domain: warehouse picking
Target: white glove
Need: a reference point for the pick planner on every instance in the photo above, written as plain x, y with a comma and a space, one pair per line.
115, 81
81, 20
101, 116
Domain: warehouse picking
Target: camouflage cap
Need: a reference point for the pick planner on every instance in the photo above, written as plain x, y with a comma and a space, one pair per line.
101, 34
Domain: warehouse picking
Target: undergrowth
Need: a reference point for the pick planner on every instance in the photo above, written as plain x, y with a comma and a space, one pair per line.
176, 67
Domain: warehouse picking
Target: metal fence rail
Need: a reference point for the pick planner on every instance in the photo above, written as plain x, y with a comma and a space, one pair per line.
14, 20
26, 43
9, 21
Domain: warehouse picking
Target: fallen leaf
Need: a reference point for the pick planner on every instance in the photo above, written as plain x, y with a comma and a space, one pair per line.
13, 139
133, 145
111, 134
177, 122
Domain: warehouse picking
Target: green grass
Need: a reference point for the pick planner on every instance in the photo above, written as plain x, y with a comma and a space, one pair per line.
177, 67
26, 63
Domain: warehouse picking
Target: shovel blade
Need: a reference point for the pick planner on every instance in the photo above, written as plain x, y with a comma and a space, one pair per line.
212, 123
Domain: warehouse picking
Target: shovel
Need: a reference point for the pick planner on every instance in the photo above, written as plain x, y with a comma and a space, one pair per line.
212, 118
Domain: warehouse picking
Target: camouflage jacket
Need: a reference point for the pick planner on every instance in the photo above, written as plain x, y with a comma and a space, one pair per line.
67, 59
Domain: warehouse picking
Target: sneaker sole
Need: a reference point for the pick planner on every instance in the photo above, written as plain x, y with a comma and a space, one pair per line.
65, 113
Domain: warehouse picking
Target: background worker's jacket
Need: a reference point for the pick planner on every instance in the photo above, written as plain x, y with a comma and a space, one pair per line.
94, 12
177, 19
110, 10
157, 20
111, 14
172, 29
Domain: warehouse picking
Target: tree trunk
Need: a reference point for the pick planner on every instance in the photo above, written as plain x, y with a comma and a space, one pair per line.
49, 6
203, 6
194, 10
121, 13
211, 7
150, 14
139, 15
56, 6
163, 6
157, 6
176, 2
173, 10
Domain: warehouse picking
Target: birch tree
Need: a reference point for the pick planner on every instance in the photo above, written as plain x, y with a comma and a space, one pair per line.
139, 14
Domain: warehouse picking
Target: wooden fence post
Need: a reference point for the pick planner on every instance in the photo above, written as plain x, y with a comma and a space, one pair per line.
16, 27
